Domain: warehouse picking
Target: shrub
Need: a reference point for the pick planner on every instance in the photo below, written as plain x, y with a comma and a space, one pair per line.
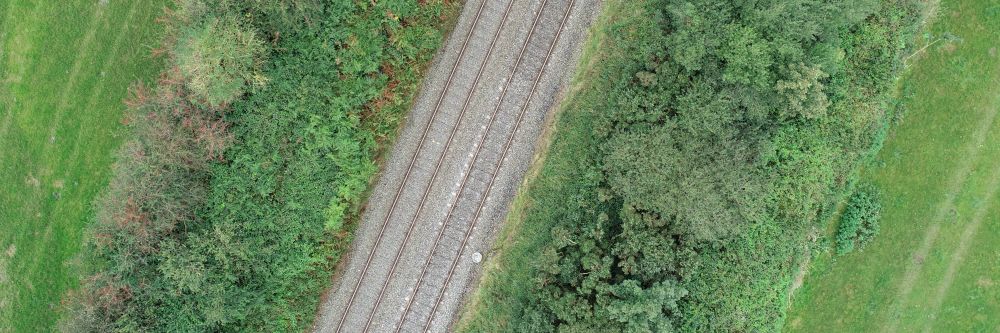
219, 59
159, 185
859, 224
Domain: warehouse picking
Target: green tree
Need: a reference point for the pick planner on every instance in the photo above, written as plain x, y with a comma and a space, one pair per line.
219, 59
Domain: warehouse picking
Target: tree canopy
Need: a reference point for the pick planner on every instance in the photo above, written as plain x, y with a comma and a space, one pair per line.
712, 137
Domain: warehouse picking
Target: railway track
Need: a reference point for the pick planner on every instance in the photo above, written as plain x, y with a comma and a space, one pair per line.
482, 195
413, 160
437, 167
431, 202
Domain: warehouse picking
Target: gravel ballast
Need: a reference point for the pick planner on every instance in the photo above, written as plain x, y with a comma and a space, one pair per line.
465, 180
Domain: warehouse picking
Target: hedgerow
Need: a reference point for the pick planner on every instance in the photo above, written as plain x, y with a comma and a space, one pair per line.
231, 203
685, 177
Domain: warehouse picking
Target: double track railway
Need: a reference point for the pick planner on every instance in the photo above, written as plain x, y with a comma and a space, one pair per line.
492, 146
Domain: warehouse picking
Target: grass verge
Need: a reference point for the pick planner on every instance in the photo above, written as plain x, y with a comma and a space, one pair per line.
936, 264
65, 68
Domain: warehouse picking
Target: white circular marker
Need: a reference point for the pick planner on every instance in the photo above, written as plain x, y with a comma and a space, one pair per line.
477, 257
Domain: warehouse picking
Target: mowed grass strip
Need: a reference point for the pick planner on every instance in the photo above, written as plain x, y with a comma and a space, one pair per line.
936, 265
65, 69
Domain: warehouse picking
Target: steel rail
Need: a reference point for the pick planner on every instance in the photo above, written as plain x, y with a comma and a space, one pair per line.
437, 167
496, 170
464, 181
413, 160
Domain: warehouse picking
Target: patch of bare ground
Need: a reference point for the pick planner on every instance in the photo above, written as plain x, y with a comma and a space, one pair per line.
8, 254
32, 181
3, 272
803, 269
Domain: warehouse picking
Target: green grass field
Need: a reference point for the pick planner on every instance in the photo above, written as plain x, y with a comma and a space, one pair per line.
936, 264
65, 67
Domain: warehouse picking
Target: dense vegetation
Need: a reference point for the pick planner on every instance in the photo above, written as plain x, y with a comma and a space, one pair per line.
709, 141
227, 210
859, 222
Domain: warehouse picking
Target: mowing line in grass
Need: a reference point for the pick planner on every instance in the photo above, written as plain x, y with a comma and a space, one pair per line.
99, 89
915, 267
7, 81
71, 77
66, 97
45, 155
970, 303
963, 247
94, 94
935, 264
74, 74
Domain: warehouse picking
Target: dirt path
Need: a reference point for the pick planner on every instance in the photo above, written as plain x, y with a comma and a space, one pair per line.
954, 185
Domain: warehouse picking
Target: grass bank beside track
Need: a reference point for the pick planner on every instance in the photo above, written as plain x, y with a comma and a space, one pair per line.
936, 264
65, 67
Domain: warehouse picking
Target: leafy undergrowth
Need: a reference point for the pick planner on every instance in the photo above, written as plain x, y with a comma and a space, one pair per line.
684, 179
229, 208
